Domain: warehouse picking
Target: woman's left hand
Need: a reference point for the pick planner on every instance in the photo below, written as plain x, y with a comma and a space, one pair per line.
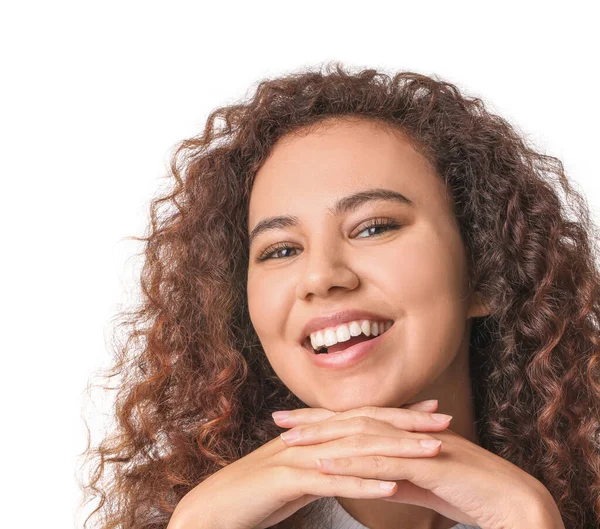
463, 482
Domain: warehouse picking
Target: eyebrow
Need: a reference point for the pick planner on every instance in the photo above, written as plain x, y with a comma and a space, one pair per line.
343, 205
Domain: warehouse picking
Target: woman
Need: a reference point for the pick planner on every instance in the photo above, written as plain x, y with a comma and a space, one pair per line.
347, 247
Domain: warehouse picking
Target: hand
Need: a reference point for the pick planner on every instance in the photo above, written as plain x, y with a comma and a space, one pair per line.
463, 481
274, 481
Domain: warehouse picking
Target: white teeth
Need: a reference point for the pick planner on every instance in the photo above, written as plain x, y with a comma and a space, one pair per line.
330, 337
366, 327
355, 329
343, 333
320, 337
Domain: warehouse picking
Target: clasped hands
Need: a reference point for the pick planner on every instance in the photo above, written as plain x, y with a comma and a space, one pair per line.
458, 479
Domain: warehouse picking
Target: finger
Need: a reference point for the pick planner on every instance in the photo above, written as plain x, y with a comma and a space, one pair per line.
409, 420
313, 434
376, 466
303, 416
411, 494
317, 483
406, 419
407, 448
424, 405
430, 473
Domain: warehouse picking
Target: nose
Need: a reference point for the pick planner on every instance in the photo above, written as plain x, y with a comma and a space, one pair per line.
326, 267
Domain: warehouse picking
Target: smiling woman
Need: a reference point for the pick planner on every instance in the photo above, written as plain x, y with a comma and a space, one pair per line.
414, 274
415, 236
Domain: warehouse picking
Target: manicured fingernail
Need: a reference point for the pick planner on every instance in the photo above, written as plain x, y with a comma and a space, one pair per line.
430, 444
291, 435
280, 415
430, 402
441, 417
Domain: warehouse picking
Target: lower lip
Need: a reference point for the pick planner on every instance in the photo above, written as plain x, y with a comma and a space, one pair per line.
348, 357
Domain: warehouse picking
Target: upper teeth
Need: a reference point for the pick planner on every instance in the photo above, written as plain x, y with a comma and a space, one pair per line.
344, 332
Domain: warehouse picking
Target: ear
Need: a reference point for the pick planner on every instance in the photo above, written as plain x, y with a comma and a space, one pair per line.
477, 308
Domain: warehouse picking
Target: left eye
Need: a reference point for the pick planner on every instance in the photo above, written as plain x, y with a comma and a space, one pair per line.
377, 223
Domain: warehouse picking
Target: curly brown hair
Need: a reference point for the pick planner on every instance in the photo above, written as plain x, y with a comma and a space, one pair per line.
195, 390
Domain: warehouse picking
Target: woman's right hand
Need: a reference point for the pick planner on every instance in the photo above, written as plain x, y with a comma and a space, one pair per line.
276, 480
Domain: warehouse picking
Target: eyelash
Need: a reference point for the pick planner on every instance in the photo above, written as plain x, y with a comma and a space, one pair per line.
391, 225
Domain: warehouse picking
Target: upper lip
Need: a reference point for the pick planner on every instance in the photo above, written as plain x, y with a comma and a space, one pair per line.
344, 316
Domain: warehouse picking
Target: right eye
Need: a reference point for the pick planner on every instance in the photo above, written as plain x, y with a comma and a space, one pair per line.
266, 255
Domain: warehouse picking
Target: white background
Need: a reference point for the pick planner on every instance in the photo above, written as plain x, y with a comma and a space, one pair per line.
96, 94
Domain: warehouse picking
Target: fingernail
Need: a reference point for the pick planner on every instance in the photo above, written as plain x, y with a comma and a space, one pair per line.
441, 417
430, 444
280, 415
430, 402
291, 435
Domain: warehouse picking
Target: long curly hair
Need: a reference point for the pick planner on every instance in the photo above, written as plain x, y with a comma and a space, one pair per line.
193, 388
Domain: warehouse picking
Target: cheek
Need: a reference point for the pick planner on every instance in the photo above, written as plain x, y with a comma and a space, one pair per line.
261, 307
269, 308
428, 270
428, 283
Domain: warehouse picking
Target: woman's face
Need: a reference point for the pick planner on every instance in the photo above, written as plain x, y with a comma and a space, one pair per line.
414, 275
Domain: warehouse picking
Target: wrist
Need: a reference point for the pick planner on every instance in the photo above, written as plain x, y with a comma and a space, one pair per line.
545, 512
186, 519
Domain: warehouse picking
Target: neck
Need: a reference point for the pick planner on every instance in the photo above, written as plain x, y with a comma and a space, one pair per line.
453, 391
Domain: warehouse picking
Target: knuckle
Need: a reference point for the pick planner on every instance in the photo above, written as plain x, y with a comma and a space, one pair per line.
407, 417
378, 462
419, 415
358, 442
311, 430
359, 483
415, 417
284, 473
364, 423
285, 456
370, 410
288, 478
332, 480
343, 462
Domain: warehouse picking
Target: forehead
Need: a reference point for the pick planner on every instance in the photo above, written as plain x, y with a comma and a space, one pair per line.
337, 159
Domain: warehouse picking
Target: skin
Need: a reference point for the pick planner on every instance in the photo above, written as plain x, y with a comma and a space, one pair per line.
415, 275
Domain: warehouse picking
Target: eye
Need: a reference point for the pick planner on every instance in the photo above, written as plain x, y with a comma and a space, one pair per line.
379, 223
265, 256
371, 225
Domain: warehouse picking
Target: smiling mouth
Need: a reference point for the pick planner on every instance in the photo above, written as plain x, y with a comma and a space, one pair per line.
340, 346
